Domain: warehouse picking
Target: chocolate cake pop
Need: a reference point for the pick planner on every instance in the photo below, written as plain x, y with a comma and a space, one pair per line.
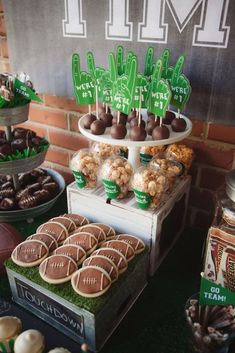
153, 118
102, 109
169, 117
18, 145
135, 122
106, 118
98, 127
88, 120
151, 125
178, 125
118, 131
21, 133
122, 118
137, 133
133, 114
160, 133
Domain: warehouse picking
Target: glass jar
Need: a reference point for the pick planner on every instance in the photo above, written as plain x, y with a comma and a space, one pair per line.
225, 205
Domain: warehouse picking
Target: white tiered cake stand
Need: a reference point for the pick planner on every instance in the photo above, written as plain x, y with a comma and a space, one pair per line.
135, 146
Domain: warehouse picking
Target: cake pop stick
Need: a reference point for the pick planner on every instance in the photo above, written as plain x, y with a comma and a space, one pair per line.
96, 101
139, 111
89, 108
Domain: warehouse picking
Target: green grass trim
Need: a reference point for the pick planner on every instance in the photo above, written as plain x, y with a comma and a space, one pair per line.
65, 290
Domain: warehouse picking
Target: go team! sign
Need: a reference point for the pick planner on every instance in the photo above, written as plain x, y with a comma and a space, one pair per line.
211, 31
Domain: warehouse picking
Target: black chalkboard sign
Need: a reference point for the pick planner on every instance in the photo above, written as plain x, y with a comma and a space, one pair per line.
43, 35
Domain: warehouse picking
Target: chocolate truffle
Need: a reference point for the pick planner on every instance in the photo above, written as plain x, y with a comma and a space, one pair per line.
51, 187
88, 120
42, 195
160, 133
25, 178
5, 150
169, 117
106, 118
118, 131
28, 202
135, 122
137, 133
98, 127
6, 185
178, 125
18, 145
151, 125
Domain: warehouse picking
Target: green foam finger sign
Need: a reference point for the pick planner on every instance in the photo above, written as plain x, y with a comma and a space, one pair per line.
96, 72
167, 71
148, 64
124, 89
25, 91
83, 83
180, 85
107, 87
160, 92
142, 85
130, 55
119, 60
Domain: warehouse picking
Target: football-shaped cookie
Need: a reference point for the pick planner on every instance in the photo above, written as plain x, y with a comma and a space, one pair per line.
29, 253
9, 239
109, 231
136, 243
77, 218
76, 252
67, 222
95, 230
86, 240
57, 230
47, 239
57, 269
91, 281
103, 262
121, 246
114, 255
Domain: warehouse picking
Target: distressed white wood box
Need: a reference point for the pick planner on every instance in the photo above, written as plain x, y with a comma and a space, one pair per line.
159, 228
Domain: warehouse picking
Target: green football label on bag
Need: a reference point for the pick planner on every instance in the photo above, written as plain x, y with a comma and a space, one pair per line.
215, 294
112, 190
25, 91
80, 179
143, 200
145, 158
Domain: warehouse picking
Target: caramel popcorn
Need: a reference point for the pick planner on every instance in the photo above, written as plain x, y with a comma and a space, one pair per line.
152, 150
169, 168
151, 182
118, 170
104, 150
88, 164
180, 153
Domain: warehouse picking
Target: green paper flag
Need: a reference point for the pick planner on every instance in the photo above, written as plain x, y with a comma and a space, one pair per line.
148, 64
107, 87
96, 72
160, 93
25, 91
142, 84
123, 87
215, 294
180, 85
167, 71
83, 83
119, 60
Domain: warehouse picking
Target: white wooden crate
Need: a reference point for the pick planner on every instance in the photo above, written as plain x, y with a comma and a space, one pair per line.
158, 228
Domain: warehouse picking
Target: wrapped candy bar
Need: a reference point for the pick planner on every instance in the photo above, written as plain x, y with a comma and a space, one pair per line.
180, 153
116, 174
85, 165
149, 187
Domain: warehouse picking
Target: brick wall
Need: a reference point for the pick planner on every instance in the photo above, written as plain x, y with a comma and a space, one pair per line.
57, 117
